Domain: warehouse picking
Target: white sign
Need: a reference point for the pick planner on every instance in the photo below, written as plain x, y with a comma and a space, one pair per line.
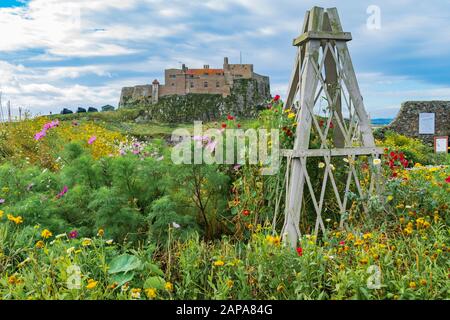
441, 144
426, 123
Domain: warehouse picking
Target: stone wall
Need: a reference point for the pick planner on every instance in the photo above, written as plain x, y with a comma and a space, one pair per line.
407, 120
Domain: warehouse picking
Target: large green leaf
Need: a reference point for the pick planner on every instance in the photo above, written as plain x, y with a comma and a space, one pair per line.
122, 278
155, 282
124, 263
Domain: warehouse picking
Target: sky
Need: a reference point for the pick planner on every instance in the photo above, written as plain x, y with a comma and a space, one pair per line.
72, 53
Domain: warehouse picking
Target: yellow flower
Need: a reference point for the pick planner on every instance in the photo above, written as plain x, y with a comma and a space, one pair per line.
16, 220
423, 282
291, 115
219, 263
276, 241
390, 198
412, 285
136, 293
91, 284
101, 233
321, 165
40, 244
1, 213
230, 283
86, 242
46, 234
280, 288
12, 279
168, 286
151, 293
367, 236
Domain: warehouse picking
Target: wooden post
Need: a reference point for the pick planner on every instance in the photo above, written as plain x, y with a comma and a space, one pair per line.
9, 111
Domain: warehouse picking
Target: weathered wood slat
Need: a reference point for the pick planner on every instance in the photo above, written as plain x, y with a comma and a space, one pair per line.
322, 35
359, 151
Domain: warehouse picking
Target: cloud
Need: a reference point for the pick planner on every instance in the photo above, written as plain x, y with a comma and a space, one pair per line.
56, 53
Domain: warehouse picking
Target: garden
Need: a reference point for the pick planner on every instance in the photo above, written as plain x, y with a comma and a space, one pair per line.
92, 210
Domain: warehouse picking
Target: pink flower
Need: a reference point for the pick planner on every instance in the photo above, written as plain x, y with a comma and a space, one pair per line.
38, 136
2, 201
63, 192
92, 139
73, 234
342, 243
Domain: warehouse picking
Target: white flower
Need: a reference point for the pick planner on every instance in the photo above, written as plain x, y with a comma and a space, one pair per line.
59, 236
70, 250
321, 165
376, 162
346, 160
109, 241
176, 225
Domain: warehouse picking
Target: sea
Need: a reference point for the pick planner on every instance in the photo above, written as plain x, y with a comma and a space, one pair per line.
381, 121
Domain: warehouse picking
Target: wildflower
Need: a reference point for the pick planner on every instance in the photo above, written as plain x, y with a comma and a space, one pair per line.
276, 241
412, 285
342, 243
136, 293
40, 244
423, 282
239, 125
246, 212
230, 117
376, 162
91, 284
92, 139
16, 220
109, 241
364, 261
300, 251
367, 236
280, 288
176, 225
73, 234
218, 263
63, 192
168, 286
12, 279
321, 165
101, 233
447, 179
46, 234
291, 115
86, 242
151, 293
224, 125
1, 213
332, 167
277, 97
390, 198
230, 283
70, 250
2, 201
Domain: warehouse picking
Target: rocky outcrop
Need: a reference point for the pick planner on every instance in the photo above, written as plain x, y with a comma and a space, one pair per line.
407, 120
246, 98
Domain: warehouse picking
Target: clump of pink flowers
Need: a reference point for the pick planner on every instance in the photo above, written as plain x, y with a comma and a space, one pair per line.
48, 126
92, 139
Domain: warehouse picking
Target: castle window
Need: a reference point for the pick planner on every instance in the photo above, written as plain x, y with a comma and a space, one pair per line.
173, 76
205, 84
217, 84
192, 84
173, 84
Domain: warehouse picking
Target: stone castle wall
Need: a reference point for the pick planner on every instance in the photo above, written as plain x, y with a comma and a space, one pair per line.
407, 120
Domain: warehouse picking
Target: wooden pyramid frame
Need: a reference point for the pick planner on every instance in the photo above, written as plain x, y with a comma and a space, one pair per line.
323, 67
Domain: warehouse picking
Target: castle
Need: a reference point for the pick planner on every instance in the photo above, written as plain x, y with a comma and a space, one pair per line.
186, 81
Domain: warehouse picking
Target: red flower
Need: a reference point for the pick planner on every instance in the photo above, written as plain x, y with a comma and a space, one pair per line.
342, 243
300, 251
277, 97
321, 123
331, 125
230, 117
224, 125
246, 212
239, 125
448, 179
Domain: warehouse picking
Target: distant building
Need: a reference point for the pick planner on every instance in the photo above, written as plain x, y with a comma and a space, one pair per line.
196, 81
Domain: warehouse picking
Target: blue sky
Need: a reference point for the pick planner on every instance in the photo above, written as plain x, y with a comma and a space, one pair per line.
66, 53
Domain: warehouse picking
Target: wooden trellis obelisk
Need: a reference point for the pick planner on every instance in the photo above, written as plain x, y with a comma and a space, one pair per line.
323, 68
